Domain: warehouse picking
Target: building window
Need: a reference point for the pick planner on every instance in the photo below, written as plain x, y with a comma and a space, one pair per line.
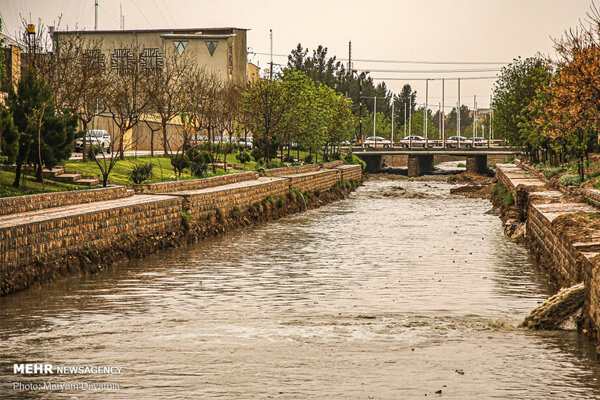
180, 46
151, 61
95, 60
212, 46
121, 61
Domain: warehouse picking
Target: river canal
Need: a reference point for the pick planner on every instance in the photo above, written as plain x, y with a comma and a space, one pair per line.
390, 294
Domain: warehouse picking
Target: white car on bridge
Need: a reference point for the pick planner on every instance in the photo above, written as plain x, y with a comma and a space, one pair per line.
458, 141
415, 141
376, 141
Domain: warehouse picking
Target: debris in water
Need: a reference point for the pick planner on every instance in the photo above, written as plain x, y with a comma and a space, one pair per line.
557, 309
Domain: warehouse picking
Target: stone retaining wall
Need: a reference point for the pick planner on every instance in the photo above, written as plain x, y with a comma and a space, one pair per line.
36, 246
193, 184
19, 204
332, 164
350, 172
318, 180
51, 234
563, 260
299, 169
205, 202
567, 262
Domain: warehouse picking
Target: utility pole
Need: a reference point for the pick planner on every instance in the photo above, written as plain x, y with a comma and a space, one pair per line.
440, 118
443, 116
425, 111
405, 119
96, 15
392, 122
410, 122
374, 119
271, 38
474, 116
490, 135
350, 55
458, 107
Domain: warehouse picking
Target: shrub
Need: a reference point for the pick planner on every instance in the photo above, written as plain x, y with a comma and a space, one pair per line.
180, 162
186, 219
509, 200
257, 154
308, 159
199, 169
93, 151
273, 164
243, 157
569, 180
278, 201
352, 159
220, 215
504, 195
141, 172
288, 158
550, 172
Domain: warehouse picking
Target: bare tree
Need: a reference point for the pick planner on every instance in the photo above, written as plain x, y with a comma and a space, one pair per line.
125, 99
166, 92
80, 82
229, 116
203, 107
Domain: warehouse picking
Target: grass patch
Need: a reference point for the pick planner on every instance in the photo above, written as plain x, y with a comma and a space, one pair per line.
504, 194
162, 169
31, 185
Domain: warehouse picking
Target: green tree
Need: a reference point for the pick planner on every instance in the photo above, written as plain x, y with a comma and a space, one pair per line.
513, 93
2, 67
383, 125
417, 125
45, 138
406, 97
9, 137
265, 106
466, 119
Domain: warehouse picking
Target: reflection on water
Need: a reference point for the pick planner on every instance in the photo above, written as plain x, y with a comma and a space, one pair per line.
386, 296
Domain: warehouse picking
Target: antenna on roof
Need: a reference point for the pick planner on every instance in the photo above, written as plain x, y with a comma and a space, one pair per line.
121, 18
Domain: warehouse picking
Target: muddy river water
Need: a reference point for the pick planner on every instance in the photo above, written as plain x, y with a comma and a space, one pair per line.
390, 294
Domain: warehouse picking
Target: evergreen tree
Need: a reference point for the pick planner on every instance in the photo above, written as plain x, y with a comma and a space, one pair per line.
9, 137
45, 138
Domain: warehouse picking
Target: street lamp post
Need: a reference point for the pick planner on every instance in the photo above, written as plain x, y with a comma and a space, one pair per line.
355, 71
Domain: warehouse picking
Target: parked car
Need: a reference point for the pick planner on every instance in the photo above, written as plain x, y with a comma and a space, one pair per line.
375, 141
453, 141
414, 141
479, 141
95, 137
247, 142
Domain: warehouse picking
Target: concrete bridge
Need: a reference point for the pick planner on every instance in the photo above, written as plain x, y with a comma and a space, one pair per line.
420, 161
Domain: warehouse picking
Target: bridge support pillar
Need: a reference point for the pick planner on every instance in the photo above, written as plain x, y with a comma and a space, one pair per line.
374, 161
420, 164
477, 164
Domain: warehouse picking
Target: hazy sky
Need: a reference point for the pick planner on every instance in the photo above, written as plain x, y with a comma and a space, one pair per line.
417, 30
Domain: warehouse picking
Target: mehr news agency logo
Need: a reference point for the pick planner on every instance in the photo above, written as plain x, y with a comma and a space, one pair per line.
50, 369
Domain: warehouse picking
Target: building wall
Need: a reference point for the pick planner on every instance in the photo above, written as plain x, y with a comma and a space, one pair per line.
163, 40
253, 73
